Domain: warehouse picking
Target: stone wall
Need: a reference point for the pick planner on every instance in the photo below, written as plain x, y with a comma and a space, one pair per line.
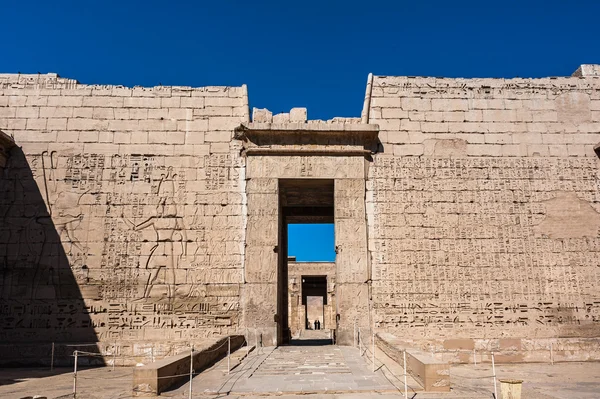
132, 217
483, 208
122, 213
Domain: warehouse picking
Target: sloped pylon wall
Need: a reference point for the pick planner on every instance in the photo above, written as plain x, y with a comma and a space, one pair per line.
122, 216
484, 214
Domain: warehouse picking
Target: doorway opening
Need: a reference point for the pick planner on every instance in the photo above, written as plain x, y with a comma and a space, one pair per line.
314, 300
304, 286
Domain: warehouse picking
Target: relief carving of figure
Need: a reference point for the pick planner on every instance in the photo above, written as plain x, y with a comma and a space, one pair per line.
169, 228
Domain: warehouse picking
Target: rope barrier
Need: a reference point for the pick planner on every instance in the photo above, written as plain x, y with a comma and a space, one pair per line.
78, 353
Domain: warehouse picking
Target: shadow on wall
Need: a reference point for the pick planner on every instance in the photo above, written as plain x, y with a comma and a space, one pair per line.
40, 299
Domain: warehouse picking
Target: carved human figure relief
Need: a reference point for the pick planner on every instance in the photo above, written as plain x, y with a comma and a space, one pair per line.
169, 228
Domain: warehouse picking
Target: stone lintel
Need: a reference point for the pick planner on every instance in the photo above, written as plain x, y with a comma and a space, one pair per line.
246, 129
308, 139
308, 152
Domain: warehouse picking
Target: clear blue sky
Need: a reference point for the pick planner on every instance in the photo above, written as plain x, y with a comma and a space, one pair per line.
308, 53
311, 242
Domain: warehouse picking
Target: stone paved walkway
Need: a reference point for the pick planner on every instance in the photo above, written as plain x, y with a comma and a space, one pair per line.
542, 381
295, 369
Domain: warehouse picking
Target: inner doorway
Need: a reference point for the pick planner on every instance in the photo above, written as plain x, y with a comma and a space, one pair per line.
304, 286
314, 301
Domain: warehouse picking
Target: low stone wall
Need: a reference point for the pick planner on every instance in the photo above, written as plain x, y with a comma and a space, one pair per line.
433, 375
154, 378
513, 350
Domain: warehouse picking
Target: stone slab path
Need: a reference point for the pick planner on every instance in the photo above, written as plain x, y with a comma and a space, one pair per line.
541, 381
295, 369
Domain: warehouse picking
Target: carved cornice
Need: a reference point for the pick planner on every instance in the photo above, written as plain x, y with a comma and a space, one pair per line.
310, 139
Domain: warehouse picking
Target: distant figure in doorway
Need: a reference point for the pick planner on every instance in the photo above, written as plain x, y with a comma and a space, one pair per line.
318, 325
316, 321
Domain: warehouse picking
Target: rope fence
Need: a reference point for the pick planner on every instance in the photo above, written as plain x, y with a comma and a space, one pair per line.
371, 355
79, 353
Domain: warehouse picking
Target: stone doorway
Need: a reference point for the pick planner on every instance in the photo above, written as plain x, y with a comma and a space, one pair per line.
304, 174
301, 201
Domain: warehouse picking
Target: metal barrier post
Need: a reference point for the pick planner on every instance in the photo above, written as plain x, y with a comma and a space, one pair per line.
75, 377
551, 355
191, 368
228, 353
405, 386
474, 357
354, 340
52, 358
494, 372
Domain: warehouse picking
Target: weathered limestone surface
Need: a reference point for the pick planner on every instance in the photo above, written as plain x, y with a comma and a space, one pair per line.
483, 210
148, 218
121, 214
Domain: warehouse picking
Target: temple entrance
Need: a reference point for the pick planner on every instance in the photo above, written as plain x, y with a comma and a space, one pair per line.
303, 302
305, 174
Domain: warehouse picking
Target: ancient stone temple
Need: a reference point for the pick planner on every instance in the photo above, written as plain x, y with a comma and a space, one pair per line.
466, 215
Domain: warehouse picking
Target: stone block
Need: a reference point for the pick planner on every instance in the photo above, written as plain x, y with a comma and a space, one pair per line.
408, 150
36, 101
123, 125
140, 102
55, 112
192, 102
158, 125
214, 111
413, 104
166, 137
36, 124
170, 102
218, 136
103, 102
298, 115
194, 137
56, 124
8, 112
103, 113
154, 378
390, 113
198, 125
83, 113
60, 101
433, 375
484, 150
223, 123
221, 101
454, 104
158, 113
282, 118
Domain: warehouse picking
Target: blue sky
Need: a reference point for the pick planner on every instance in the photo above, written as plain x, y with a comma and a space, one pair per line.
311, 242
314, 54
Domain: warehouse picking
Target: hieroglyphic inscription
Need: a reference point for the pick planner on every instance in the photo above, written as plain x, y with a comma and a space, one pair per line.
459, 245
